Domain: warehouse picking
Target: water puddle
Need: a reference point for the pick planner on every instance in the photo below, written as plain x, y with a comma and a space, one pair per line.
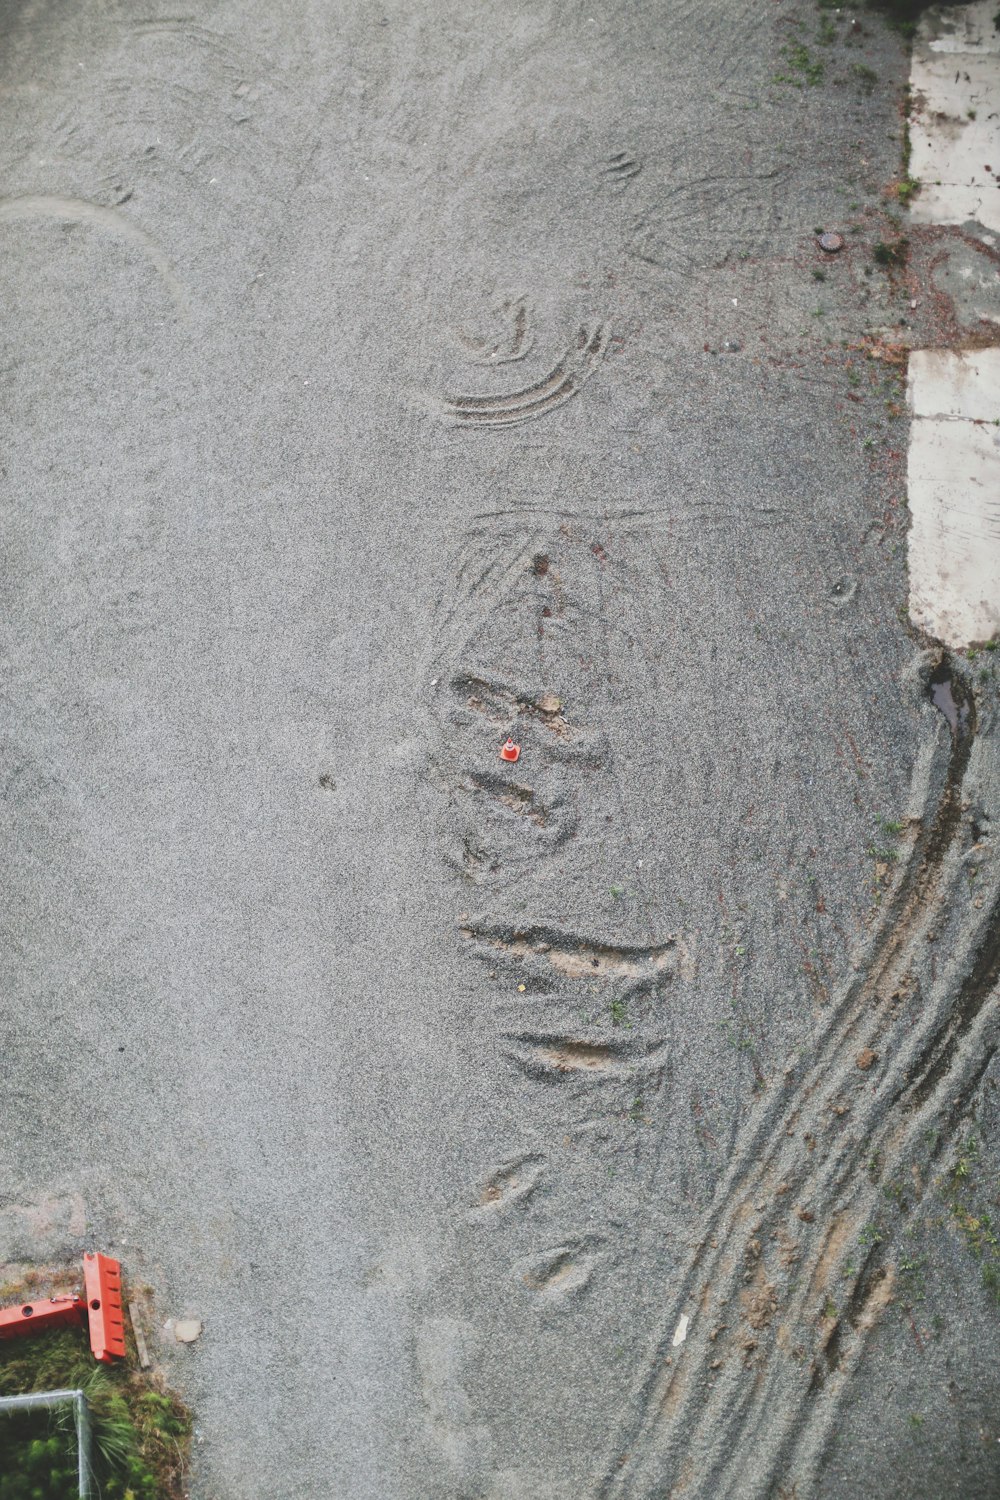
941, 689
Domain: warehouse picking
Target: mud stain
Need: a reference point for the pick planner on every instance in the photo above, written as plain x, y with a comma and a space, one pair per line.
837, 1238
552, 1057
576, 957
576, 1055
511, 1184
941, 690
511, 795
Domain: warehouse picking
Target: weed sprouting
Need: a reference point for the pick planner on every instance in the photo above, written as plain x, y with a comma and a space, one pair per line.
803, 67
891, 253
974, 1224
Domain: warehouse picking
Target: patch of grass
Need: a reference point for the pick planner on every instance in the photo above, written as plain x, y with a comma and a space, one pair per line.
974, 1224
891, 252
803, 68
911, 1279
141, 1431
619, 1014
865, 76
736, 1034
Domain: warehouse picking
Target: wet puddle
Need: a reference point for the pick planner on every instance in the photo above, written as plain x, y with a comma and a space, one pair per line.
941, 690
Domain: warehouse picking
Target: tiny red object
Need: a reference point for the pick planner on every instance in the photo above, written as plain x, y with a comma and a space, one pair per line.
45, 1312
509, 751
102, 1284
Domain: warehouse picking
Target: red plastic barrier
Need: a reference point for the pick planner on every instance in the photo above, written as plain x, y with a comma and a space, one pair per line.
33, 1317
102, 1284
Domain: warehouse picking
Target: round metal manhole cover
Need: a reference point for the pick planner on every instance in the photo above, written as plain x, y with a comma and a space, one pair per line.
831, 243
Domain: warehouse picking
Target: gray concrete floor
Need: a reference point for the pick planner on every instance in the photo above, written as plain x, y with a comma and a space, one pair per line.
373, 378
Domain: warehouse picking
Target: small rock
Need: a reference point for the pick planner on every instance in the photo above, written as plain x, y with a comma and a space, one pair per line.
865, 1058
186, 1330
805, 1214
548, 703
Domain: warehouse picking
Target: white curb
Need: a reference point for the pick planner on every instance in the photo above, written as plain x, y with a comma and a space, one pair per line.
953, 473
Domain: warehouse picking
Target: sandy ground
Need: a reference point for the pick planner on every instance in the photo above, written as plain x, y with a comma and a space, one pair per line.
379, 382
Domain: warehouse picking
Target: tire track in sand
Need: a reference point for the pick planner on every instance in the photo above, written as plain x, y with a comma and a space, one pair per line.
753, 1389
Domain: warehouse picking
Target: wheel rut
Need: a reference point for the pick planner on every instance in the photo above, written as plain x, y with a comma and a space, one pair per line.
786, 1278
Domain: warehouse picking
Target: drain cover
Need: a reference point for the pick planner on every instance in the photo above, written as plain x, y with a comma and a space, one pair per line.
831, 243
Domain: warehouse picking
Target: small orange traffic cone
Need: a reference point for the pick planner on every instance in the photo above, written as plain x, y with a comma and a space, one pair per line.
509, 751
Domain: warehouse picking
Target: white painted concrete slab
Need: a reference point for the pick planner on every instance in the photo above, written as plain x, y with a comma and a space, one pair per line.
955, 122
944, 383
961, 28
954, 495
953, 470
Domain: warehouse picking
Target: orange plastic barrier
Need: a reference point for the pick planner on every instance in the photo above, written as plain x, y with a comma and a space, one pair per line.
47, 1312
102, 1284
